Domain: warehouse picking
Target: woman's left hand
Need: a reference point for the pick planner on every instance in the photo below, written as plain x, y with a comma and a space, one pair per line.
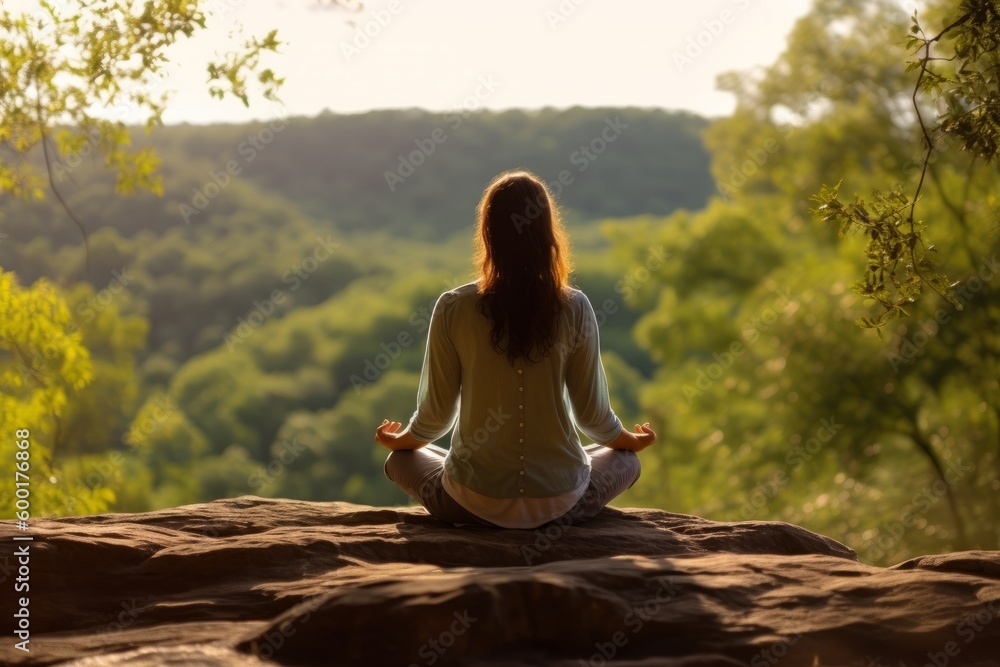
389, 435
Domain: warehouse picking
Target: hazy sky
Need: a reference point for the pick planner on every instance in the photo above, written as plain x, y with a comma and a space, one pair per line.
446, 54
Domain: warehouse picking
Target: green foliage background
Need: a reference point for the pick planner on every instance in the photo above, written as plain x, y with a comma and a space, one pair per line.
246, 331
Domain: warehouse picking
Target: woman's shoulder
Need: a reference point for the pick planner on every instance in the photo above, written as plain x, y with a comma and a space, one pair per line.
466, 293
577, 298
462, 291
469, 294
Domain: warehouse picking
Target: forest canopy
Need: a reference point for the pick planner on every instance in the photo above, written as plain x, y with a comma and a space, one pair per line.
245, 331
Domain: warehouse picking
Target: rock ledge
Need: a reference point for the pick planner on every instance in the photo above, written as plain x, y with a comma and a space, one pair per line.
250, 580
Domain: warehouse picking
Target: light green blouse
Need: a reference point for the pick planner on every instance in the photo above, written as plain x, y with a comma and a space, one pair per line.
517, 425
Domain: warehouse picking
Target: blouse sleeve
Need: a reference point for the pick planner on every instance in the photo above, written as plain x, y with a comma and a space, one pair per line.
587, 384
440, 380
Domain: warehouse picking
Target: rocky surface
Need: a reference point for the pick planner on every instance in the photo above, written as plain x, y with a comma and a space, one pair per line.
251, 581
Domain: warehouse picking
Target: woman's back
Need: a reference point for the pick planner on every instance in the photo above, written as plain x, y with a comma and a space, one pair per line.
515, 359
516, 433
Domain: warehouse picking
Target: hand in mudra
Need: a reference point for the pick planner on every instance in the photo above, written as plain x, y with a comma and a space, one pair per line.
389, 434
637, 440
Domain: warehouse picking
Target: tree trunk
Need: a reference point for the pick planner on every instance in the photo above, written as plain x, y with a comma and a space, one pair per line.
925, 447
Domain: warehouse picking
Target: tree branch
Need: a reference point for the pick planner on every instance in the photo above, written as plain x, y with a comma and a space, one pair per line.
41, 120
932, 456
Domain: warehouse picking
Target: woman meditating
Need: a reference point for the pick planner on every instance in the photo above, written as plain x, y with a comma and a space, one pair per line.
515, 357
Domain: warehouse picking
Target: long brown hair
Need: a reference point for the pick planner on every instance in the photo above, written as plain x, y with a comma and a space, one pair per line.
522, 256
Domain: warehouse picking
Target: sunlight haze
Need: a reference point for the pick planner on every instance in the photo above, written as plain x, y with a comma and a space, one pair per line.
449, 54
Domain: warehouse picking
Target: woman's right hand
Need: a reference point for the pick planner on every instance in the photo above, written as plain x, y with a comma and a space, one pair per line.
637, 441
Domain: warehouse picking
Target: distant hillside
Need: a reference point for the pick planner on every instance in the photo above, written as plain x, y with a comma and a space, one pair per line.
412, 173
422, 173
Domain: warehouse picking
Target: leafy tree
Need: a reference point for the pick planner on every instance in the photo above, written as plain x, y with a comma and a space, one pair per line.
99, 413
63, 66
743, 398
68, 71
961, 82
331, 454
43, 362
